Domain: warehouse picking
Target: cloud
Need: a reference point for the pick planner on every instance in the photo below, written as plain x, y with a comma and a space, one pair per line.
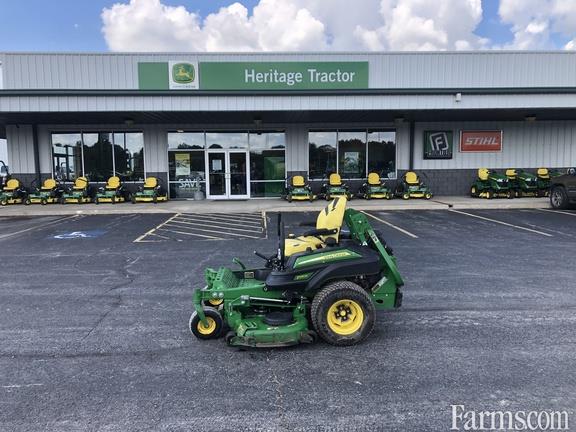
533, 22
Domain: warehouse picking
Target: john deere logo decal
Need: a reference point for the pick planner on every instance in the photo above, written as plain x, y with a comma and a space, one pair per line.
183, 73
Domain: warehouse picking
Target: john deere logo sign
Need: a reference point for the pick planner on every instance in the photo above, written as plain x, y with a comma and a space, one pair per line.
438, 145
183, 75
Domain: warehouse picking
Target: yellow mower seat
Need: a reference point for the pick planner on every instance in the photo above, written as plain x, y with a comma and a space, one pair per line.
374, 179
543, 173
483, 174
511, 173
331, 218
151, 183
412, 178
335, 180
298, 181
80, 183
113, 183
48, 185
12, 185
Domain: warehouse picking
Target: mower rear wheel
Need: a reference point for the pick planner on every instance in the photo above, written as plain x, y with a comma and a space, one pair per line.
343, 313
214, 328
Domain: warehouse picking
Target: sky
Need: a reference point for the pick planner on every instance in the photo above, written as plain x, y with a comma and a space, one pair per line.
286, 25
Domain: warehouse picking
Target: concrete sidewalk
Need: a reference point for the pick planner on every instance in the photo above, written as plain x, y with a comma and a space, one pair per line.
270, 205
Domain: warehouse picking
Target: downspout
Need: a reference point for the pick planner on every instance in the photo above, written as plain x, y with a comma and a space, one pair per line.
411, 147
36, 153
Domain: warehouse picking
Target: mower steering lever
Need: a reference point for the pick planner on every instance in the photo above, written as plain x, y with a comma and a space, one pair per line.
261, 255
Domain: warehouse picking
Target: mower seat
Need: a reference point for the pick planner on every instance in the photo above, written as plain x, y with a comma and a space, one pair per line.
373, 179
12, 185
80, 184
48, 185
335, 180
511, 173
298, 181
543, 173
327, 231
411, 178
483, 174
151, 183
113, 184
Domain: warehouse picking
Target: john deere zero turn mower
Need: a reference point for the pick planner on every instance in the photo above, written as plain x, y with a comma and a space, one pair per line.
490, 184
12, 193
79, 193
335, 188
298, 190
522, 183
326, 282
374, 188
49, 193
412, 187
112, 192
151, 191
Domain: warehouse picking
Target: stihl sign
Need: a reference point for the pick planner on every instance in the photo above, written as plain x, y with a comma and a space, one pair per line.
481, 141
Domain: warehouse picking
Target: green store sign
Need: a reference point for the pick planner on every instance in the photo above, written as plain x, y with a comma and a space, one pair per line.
254, 76
438, 144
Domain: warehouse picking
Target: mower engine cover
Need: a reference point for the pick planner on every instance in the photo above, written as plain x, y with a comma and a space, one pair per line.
331, 292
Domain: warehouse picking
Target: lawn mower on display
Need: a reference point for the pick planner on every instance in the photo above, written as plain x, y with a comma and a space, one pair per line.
412, 187
112, 192
325, 283
298, 190
335, 188
544, 176
491, 184
12, 193
151, 191
49, 193
374, 188
522, 183
79, 193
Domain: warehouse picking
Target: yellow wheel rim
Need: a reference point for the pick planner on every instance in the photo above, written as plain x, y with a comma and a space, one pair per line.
216, 302
206, 330
345, 317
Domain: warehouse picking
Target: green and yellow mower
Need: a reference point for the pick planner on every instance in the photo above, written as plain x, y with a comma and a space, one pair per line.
335, 188
374, 188
522, 183
112, 192
325, 283
79, 193
49, 193
12, 193
412, 187
544, 175
151, 191
298, 190
490, 184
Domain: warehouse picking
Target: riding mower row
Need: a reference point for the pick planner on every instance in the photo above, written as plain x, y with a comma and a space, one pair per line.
326, 283
513, 184
374, 188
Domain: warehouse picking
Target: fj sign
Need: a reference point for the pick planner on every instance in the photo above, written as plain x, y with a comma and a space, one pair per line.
480, 141
438, 145
183, 75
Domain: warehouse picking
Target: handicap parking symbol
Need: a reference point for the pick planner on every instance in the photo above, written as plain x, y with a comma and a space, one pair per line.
79, 235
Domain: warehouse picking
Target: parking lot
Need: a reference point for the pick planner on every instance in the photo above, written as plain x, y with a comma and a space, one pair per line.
94, 313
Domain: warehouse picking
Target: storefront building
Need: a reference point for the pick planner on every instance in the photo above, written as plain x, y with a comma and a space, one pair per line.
237, 125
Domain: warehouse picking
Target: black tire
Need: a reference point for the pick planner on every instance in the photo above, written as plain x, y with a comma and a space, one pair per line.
96, 200
327, 298
43, 201
113, 200
489, 194
558, 198
211, 314
4, 202
27, 201
510, 194
289, 198
473, 192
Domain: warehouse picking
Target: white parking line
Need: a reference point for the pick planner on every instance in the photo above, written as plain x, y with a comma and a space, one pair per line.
139, 239
402, 230
190, 234
558, 211
255, 218
219, 222
201, 224
212, 231
501, 222
3, 236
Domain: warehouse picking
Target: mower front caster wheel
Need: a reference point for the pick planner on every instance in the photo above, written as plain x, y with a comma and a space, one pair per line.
343, 313
214, 328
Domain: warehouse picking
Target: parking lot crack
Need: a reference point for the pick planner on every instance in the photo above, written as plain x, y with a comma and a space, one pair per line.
279, 399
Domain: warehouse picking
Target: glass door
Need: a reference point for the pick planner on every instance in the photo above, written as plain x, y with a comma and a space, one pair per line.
228, 174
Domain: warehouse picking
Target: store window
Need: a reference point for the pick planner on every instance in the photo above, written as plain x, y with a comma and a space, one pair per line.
98, 155
226, 140
186, 167
3, 152
352, 154
267, 163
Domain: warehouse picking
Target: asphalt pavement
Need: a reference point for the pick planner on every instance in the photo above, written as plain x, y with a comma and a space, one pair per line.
94, 312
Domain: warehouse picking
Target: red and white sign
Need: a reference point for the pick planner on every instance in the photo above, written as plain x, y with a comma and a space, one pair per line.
480, 141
